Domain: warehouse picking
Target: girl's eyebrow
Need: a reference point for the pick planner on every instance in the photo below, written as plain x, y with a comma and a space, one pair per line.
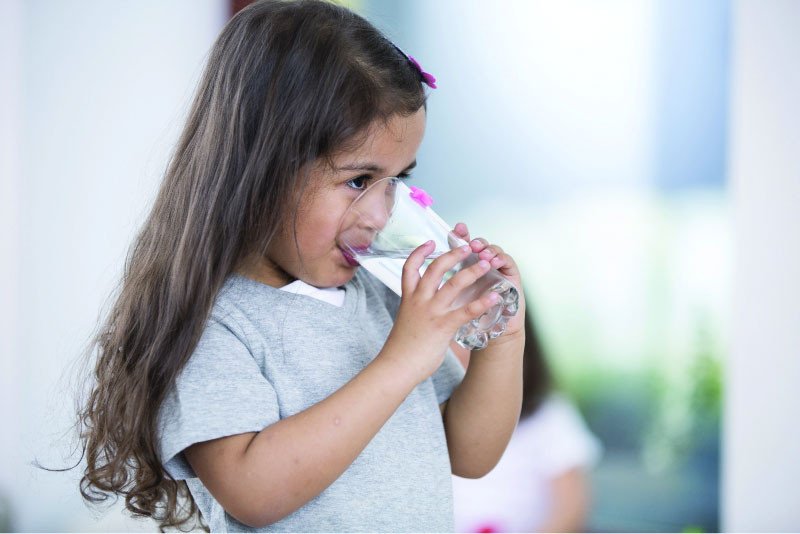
371, 167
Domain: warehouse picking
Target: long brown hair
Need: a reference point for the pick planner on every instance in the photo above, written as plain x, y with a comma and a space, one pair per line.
537, 379
286, 83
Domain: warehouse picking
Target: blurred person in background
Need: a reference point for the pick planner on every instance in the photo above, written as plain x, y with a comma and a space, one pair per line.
541, 483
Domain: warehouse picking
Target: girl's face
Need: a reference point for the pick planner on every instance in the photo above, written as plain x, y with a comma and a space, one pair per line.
309, 251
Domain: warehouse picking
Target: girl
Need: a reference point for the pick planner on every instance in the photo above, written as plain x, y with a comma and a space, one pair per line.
248, 369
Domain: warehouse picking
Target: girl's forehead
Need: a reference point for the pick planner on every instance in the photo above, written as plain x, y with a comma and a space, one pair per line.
383, 146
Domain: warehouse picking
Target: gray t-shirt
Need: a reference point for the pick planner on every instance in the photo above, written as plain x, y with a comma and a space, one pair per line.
267, 354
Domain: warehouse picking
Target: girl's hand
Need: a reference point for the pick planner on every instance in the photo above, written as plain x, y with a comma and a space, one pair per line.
506, 265
427, 320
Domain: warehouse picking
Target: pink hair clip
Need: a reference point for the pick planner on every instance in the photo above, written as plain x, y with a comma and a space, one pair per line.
420, 196
427, 77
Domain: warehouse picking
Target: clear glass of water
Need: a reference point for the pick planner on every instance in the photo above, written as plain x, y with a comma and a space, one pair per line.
388, 221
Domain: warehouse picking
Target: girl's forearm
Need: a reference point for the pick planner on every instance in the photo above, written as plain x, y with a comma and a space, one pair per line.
483, 411
290, 462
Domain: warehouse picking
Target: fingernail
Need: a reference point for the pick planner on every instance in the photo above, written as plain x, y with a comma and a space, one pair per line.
483, 264
465, 248
474, 242
494, 297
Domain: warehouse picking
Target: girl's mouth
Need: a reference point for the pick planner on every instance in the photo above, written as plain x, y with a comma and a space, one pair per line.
349, 258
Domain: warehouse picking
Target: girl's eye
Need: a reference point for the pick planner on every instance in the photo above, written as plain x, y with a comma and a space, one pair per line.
359, 182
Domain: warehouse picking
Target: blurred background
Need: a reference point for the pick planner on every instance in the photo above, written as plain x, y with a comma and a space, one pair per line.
639, 158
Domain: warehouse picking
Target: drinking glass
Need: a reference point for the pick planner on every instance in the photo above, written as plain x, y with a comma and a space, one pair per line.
388, 221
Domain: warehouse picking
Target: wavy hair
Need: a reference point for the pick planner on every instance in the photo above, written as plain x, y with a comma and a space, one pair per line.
286, 83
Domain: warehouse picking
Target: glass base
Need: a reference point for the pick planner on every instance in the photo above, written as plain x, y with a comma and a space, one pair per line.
475, 335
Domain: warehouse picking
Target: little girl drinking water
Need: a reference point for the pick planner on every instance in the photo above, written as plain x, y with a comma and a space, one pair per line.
248, 369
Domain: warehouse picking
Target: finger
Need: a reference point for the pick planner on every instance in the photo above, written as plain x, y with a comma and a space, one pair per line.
505, 264
490, 253
509, 267
432, 278
410, 277
502, 260
461, 231
474, 309
478, 244
464, 278
454, 240
498, 262
459, 236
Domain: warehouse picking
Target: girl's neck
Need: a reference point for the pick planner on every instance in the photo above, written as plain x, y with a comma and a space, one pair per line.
262, 270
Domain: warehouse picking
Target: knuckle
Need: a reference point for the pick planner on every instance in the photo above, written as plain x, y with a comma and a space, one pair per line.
455, 283
446, 261
436, 264
474, 309
441, 323
434, 269
465, 277
480, 267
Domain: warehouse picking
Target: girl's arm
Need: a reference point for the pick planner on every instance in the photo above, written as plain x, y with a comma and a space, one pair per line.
483, 411
260, 478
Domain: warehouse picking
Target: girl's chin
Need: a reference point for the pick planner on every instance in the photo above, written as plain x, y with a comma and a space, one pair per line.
342, 276
349, 276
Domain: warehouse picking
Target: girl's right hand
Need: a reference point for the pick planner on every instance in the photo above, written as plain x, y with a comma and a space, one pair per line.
427, 320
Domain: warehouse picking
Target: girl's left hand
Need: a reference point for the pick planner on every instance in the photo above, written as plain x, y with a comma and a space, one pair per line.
504, 263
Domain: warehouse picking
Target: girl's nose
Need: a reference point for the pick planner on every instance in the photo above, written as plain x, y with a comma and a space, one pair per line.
376, 205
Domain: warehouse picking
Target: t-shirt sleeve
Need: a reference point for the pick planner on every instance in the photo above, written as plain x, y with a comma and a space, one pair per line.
220, 392
447, 377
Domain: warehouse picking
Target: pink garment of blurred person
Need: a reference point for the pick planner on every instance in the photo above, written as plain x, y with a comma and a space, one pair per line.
541, 484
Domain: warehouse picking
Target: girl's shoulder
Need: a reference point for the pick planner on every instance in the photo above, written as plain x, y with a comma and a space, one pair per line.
241, 301
241, 291
237, 286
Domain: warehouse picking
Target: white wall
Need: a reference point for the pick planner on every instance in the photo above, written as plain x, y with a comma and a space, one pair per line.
762, 409
92, 98
525, 86
10, 99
